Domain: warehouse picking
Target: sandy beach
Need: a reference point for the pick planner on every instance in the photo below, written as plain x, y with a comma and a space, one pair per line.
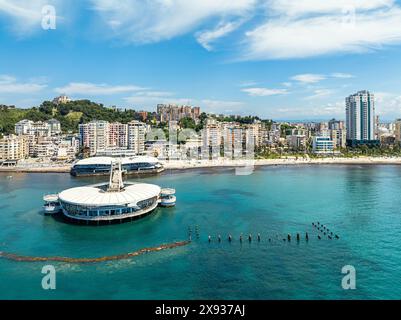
276, 162
195, 164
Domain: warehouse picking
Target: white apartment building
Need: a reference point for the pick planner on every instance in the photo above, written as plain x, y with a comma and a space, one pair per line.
117, 135
13, 147
136, 136
22, 127
39, 129
360, 117
94, 135
339, 137
211, 139
296, 141
323, 145
104, 137
233, 141
54, 126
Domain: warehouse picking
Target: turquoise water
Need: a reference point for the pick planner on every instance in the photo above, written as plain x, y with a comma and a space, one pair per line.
361, 204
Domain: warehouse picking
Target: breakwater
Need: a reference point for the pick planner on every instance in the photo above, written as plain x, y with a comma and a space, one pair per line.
21, 258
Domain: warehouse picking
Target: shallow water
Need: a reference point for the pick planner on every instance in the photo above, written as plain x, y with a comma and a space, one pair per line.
359, 203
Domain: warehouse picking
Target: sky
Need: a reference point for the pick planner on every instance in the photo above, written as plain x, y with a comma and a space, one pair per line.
279, 59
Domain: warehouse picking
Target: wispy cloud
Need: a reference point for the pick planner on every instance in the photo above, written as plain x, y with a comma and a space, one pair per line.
302, 7
308, 78
92, 89
388, 105
314, 112
341, 75
207, 37
10, 85
141, 21
263, 92
320, 93
306, 28
219, 105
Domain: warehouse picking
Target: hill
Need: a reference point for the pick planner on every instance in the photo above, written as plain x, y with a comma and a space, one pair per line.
69, 114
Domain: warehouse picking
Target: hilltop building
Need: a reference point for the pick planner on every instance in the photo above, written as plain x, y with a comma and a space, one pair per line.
61, 99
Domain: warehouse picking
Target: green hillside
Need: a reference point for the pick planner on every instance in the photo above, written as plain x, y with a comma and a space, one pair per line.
69, 114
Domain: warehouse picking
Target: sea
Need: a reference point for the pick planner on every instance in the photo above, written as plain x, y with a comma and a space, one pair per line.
359, 204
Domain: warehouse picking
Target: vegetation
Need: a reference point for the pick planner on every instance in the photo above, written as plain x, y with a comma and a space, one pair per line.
69, 114
243, 120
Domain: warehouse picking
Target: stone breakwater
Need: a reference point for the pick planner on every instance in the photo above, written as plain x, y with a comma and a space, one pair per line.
20, 258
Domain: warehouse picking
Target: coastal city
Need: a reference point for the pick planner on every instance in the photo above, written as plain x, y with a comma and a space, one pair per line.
184, 133
188, 156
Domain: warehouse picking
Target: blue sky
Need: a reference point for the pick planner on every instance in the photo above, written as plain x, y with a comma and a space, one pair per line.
278, 59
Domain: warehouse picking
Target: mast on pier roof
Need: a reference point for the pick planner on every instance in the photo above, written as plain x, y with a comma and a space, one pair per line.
116, 179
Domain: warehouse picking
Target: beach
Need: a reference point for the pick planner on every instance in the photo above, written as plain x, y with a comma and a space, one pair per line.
182, 164
195, 164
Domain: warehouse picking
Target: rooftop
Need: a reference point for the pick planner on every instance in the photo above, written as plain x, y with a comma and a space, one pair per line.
92, 196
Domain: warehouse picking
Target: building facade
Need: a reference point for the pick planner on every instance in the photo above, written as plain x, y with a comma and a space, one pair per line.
39, 129
103, 137
136, 136
360, 118
397, 131
171, 112
13, 147
322, 145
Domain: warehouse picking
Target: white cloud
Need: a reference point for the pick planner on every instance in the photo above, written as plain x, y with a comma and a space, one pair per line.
141, 21
302, 29
207, 37
91, 89
263, 92
308, 78
328, 110
320, 93
341, 75
302, 7
220, 104
10, 85
388, 105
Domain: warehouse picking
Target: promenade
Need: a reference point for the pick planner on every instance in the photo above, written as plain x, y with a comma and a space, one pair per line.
195, 164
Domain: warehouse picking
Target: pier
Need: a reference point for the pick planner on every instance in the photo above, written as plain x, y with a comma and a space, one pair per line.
321, 232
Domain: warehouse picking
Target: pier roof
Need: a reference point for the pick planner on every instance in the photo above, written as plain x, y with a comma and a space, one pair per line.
95, 197
109, 160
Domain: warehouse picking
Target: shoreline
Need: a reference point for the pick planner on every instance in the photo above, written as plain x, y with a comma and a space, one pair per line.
221, 163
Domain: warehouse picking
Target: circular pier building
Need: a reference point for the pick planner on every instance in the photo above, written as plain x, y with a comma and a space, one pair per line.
109, 202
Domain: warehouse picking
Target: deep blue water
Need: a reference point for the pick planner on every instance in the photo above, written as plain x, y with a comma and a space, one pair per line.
362, 204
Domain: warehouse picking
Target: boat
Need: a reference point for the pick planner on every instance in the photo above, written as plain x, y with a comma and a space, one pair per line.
115, 201
52, 204
167, 197
98, 166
